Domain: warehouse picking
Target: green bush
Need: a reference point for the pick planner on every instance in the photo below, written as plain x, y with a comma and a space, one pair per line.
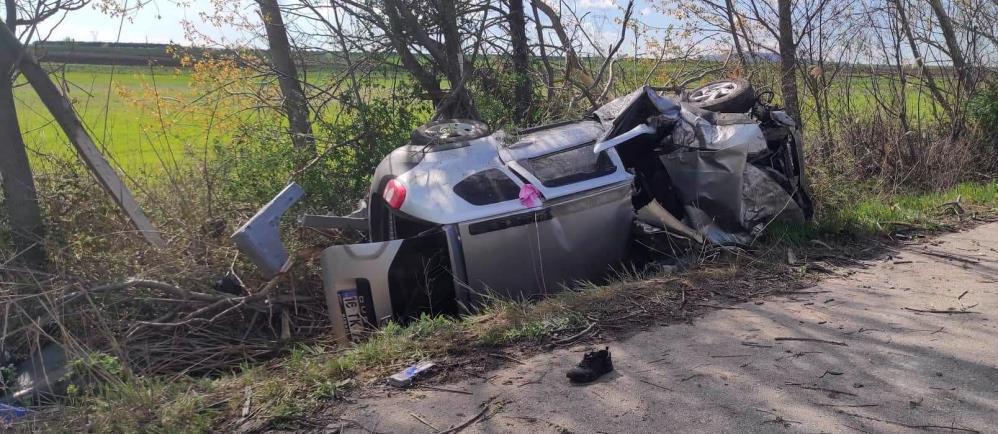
983, 108
262, 160
494, 94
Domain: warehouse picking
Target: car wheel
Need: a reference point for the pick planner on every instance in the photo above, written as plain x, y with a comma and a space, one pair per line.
449, 131
724, 96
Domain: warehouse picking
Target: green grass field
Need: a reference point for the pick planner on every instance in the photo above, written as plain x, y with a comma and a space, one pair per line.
147, 118
114, 104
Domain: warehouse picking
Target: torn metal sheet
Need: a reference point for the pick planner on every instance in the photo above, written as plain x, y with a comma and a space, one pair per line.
715, 164
655, 214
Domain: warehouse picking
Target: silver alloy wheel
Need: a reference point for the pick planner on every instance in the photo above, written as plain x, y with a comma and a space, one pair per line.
713, 91
451, 129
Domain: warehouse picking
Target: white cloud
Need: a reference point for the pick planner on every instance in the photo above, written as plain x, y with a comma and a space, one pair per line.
597, 4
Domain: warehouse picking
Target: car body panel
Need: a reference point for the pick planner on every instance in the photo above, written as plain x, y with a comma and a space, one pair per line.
370, 284
543, 141
534, 253
430, 182
354, 307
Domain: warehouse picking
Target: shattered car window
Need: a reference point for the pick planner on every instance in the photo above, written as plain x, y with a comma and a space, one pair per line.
569, 166
487, 187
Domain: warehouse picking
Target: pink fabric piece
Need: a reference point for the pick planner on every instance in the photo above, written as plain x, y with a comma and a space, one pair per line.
530, 196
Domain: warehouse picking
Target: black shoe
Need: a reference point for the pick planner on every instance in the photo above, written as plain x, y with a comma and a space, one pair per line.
594, 364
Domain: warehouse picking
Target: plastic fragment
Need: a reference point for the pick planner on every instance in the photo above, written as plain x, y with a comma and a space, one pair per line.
404, 378
530, 196
10, 412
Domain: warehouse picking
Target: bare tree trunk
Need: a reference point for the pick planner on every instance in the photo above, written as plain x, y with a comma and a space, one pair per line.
788, 60
729, 10
400, 42
20, 198
542, 48
952, 44
573, 64
902, 16
295, 106
521, 59
459, 103
404, 29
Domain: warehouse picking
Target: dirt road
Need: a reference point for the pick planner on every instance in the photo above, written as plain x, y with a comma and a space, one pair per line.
907, 343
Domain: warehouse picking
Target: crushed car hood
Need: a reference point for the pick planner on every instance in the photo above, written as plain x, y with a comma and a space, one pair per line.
710, 159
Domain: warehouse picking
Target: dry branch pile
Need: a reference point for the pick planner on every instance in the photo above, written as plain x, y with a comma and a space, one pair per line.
157, 327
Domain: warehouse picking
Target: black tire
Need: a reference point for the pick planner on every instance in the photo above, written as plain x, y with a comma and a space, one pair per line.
449, 132
724, 96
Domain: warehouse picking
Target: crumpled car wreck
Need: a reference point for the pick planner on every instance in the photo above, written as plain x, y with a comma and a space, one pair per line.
460, 213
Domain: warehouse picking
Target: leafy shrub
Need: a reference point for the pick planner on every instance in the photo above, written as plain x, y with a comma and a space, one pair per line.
983, 108
494, 94
262, 160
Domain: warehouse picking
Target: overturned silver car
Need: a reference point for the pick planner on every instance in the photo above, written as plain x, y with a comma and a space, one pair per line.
460, 213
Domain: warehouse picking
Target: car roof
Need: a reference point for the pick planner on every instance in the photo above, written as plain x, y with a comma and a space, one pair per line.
544, 141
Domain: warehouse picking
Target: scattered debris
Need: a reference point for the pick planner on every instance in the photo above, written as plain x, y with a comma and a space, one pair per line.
537, 381
248, 391
507, 357
954, 206
423, 421
891, 422
572, 338
486, 406
951, 311
405, 377
820, 341
777, 419
833, 392
230, 284
756, 345
594, 364
822, 244
690, 378
441, 389
656, 385
718, 306
948, 256
845, 405
8, 413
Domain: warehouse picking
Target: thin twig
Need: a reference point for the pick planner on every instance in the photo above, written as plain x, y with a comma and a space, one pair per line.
423, 421
656, 385
468, 422
821, 389
820, 341
441, 389
507, 357
947, 312
575, 336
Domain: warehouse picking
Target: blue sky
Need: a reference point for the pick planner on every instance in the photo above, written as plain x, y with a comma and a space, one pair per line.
160, 21
157, 22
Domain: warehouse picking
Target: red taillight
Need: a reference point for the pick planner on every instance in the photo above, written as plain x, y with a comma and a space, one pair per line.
394, 194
